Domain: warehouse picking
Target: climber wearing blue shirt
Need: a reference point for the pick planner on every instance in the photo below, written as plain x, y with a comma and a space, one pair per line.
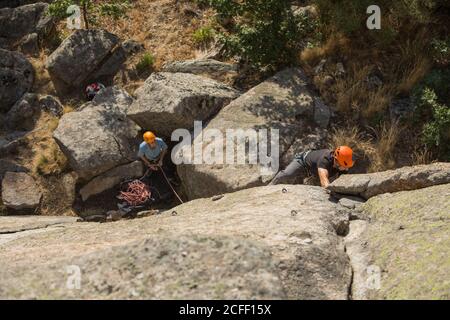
152, 150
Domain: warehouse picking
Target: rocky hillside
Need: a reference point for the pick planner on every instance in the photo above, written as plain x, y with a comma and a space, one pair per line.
272, 242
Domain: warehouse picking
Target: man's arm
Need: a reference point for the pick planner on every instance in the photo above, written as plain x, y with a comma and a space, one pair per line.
145, 160
161, 157
323, 176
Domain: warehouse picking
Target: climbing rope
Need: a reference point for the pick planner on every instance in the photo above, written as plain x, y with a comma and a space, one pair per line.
137, 193
170, 185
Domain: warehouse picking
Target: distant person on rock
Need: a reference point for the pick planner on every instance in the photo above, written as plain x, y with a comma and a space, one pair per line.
93, 89
152, 150
323, 164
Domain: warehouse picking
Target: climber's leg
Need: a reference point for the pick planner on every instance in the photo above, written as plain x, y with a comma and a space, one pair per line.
292, 171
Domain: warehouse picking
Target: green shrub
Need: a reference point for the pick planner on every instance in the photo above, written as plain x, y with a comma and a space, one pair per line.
441, 51
146, 63
436, 130
265, 32
203, 36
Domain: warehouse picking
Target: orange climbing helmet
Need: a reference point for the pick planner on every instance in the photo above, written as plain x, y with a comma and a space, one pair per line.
344, 156
149, 137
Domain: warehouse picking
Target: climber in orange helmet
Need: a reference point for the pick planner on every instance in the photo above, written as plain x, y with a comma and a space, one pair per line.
152, 150
325, 164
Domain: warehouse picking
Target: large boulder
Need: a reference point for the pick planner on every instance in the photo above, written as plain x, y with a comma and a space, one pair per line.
16, 78
253, 244
10, 166
109, 67
17, 23
25, 112
18, 3
79, 55
114, 95
111, 178
402, 251
218, 70
406, 178
283, 102
20, 191
11, 142
99, 137
169, 101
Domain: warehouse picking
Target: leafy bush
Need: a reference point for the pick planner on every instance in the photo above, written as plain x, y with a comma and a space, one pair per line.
441, 51
146, 63
436, 130
264, 32
204, 35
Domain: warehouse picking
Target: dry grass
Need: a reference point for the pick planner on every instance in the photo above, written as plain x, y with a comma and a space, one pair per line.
165, 27
385, 146
411, 76
335, 45
42, 82
42, 155
421, 156
353, 137
372, 154
402, 65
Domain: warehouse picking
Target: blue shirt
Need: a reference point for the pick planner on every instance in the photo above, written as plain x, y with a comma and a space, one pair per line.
149, 153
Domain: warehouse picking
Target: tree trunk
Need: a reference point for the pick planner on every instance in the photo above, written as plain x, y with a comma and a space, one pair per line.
85, 17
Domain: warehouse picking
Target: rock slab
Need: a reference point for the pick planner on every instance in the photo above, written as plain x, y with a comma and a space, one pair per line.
79, 55
98, 137
282, 102
406, 178
169, 101
406, 245
16, 78
20, 191
251, 244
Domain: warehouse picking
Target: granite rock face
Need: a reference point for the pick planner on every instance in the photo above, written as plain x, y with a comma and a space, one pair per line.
170, 101
406, 178
20, 191
253, 244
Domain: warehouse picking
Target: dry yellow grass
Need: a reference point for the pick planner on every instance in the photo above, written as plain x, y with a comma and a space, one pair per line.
46, 158
385, 146
409, 62
164, 27
378, 152
336, 44
42, 82
421, 156
402, 64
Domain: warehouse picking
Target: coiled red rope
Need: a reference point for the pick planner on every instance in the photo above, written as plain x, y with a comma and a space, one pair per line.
137, 193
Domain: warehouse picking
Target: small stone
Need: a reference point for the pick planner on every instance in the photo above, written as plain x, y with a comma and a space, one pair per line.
340, 70
319, 68
218, 197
